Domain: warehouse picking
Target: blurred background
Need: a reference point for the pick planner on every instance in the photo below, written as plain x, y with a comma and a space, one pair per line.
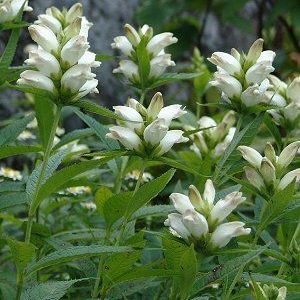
209, 25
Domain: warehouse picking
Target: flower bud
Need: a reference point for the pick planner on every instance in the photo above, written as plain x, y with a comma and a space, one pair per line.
132, 35
235, 54
160, 41
50, 22
128, 138
195, 198
293, 90
224, 207
155, 132
227, 62
137, 106
267, 171
254, 178
288, 178
270, 153
200, 143
209, 192
181, 202
266, 56
73, 29
155, 106
227, 84
251, 155
287, 155
132, 119
278, 84
172, 137
37, 80
74, 12
122, 43
129, 69
89, 87
45, 62
44, 37
171, 112
292, 111
56, 13
255, 51
195, 223
75, 77
225, 232
74, 49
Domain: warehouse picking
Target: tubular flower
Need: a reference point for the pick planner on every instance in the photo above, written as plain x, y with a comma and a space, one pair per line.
133, 43
242, 78
267, 173
287, 98
9, 9
214, 140
63, 62
200, 221
147, 131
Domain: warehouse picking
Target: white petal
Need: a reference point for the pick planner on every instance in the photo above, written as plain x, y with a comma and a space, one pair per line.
251, 155
195, 223
155, 132
160, 41
181, 202
171, 112
288, 154
288, 178
209, 192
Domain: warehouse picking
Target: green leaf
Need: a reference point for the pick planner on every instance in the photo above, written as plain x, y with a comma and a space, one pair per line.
13, 73
223, 271
73, 253
7, 151
274, 131
275, 206
244, 137
102, 57
95, 108
12, 199
155, 210
101, 196
173, 77
45, 111
51, 290
9, 133
21, 252
125, 204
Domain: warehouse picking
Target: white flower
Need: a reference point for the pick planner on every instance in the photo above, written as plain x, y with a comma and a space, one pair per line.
251, 155
132, 35
195, 223
158, 64
135, 120
26, 135
74, 49
288, 154
89, 58
267, 171
278, 84
89, 87
36, 79
209, 192
172, 137
258, 72
10, 173
45, 62
255, 94
75, 77
168, 113
175, 222
9, 9
74, 12
227, 62
225, 232
160, 41
228, 84
128, 138
254, 178
155, 106
288, 178
255, 51
155, 131
44, 37
79, 190
50, 22
292, 111
122, 43
266, 56
129, 69
293, 90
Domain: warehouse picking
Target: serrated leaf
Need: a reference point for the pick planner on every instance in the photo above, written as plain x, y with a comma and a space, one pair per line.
10, 133
21, 252
101, 196
7, 151
73, 253
51, 290
155, 210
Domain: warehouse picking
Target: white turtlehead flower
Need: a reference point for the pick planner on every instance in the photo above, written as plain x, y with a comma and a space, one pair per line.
228, 84
9, 9
251, 155
10, 173
151, 125
37, 80
225, 232
255, 94
258, 72
26, 135
226, 62
199, 220
45, 62
254, 178
127, 137
154, 45
62, 57
288, 154
288, 178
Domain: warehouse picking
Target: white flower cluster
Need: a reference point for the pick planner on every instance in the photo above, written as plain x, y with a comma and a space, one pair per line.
153, 46
146, 131
62, 59
243, 78
287, 98
199, 219
216, 139
266, 173
9, 9
272, 292
10, 173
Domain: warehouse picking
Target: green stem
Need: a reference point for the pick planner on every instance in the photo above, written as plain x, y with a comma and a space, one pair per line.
142, 98
31, 213
118, 184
